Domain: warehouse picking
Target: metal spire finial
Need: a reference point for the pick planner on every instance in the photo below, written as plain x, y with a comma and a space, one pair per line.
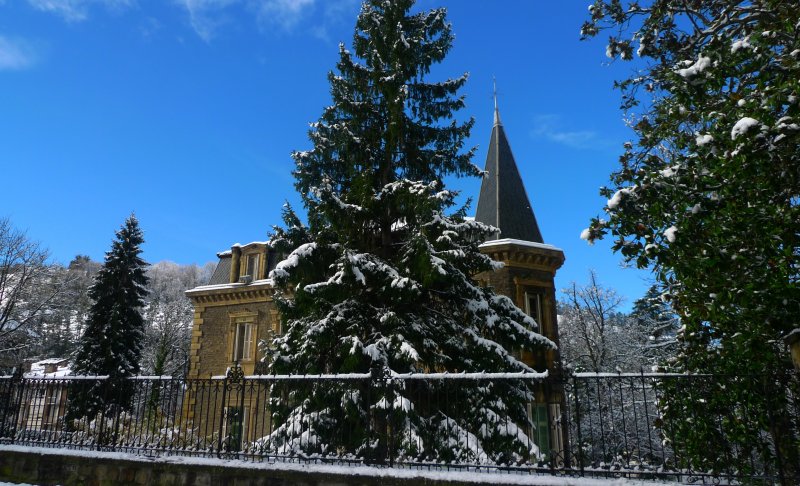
496, 110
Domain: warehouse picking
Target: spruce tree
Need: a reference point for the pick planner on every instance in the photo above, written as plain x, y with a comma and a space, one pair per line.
380, 280
111, 343
658, 322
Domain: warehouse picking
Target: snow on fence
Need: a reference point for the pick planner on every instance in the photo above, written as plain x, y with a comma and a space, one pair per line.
598, 424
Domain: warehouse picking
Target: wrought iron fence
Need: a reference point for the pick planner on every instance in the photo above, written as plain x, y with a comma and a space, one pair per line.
690, 428
694, 428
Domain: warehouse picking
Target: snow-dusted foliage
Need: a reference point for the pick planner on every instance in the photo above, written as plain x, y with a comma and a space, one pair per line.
656, 321
111, 343
595, 334
380, 279
168, 316
715, 205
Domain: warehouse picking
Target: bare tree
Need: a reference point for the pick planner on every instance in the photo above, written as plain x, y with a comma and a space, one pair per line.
60, 325
28, 284
168, 316
594, 334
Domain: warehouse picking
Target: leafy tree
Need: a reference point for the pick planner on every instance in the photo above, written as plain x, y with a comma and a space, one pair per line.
111, 343
380, 279
708, 197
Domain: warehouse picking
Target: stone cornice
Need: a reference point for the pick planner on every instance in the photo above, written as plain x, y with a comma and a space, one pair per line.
237, 293
525, 256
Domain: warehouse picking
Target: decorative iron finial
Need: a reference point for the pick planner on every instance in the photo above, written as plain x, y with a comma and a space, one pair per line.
235, 373
496, 110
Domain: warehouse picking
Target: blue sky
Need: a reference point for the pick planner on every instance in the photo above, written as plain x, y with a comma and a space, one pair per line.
186, 111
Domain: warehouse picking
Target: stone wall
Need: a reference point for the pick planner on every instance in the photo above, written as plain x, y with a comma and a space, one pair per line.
215, 311
216, 331
72, 467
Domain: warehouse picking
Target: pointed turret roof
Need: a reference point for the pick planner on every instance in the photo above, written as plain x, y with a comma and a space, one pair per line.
503, 202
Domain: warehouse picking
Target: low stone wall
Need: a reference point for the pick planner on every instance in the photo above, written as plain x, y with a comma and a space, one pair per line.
72, 467
67, 467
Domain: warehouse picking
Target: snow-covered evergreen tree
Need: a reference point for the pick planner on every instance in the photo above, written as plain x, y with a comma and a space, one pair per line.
656, 320
112, 339
380, 279
708, 197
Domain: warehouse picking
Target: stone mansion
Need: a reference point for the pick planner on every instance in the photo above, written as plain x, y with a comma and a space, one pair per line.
236, 310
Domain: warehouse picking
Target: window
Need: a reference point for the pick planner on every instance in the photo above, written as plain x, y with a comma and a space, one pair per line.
252, 266
235, 427
540, 422
243, 341
533, 307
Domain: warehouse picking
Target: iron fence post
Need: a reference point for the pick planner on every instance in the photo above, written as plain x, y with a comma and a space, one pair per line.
17, 377
7, 395
222, 414
578, 423
775, 432
564, 425
390, 417
370, 383
242, 414
548, 392
100, 438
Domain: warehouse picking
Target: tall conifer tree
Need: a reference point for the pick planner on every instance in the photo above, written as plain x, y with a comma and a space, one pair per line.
381, 278
112, 341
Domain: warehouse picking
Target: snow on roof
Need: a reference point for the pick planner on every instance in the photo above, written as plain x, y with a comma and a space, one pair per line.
61, 365
512, 241
225, 253
793, 336
51, 361
401, 376
236, 285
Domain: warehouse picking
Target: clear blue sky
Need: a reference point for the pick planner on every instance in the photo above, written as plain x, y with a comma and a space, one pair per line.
185, 112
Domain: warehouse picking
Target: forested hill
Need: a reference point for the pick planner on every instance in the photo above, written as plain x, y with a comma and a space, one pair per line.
52, 304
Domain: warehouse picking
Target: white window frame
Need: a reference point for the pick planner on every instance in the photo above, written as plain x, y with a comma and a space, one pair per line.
253, 261
244, 328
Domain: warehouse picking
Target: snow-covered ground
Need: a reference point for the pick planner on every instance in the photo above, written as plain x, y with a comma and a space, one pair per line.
355, 470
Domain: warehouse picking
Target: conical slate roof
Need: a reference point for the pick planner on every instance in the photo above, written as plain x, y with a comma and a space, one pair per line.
503, 202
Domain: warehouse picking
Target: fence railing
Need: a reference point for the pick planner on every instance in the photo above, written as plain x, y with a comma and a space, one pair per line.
684, 427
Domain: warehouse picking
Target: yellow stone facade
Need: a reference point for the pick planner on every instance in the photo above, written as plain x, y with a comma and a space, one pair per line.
220, 311
223, 310
231, 321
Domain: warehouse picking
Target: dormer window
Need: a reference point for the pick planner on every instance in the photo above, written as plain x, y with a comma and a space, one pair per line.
252, 263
